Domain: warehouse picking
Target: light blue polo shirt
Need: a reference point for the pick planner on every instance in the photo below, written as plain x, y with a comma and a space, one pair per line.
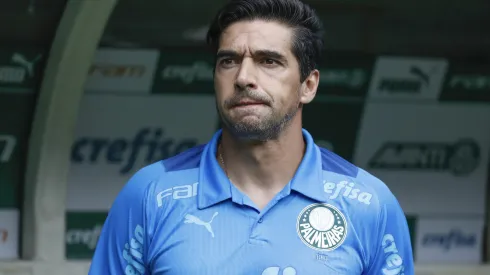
183, 216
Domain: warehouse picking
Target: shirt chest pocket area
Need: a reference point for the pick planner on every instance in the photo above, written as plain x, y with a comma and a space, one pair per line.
345, 259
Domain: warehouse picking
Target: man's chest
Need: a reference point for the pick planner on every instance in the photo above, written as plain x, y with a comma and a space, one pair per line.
290, 239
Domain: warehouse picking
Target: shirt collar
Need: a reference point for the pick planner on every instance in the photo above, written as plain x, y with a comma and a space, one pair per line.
214, 186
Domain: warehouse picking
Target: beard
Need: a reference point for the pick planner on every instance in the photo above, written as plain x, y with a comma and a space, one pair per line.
269, 127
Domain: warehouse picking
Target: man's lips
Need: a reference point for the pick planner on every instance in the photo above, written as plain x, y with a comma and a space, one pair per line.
244, 103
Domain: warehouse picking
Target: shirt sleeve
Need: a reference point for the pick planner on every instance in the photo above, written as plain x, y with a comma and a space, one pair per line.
392, 247
123, 244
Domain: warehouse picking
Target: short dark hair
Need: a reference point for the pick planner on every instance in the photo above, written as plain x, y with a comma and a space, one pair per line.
307, 43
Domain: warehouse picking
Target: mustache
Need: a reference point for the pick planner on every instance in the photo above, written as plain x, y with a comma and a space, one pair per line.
247, 94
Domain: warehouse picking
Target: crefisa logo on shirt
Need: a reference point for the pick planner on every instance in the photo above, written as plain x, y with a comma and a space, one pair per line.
321, 227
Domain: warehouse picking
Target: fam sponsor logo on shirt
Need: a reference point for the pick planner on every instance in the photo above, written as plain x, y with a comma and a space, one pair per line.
177, 193
322, 227
394, 262
453, 239
407, 78
7, 147
347, 190
460, 158
147, 146
20, 70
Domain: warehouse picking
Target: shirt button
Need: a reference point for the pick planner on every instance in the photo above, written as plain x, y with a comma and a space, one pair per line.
260, 220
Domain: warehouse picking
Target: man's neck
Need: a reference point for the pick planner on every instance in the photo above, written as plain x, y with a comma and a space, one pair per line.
263, 168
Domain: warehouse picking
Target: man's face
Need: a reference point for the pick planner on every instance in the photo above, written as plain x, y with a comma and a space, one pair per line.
257, 79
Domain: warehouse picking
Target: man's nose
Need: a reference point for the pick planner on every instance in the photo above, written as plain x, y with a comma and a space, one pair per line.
246, 76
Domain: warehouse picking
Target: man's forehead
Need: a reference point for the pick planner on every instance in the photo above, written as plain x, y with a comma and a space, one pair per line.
251, 36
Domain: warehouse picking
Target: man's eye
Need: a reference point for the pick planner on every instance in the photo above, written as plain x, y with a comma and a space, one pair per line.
226, 61
269, 61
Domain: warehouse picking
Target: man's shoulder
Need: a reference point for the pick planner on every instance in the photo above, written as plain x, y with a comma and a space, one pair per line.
334, 163
141, 180
382, 200
189, 159
156, 173
383, 193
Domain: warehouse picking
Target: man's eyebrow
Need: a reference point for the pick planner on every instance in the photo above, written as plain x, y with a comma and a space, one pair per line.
270, 54
226, 53
261, 53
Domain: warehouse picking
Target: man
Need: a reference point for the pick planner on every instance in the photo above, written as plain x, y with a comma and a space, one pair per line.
260, 197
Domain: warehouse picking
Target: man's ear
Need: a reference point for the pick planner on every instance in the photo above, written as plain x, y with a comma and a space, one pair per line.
309, 87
